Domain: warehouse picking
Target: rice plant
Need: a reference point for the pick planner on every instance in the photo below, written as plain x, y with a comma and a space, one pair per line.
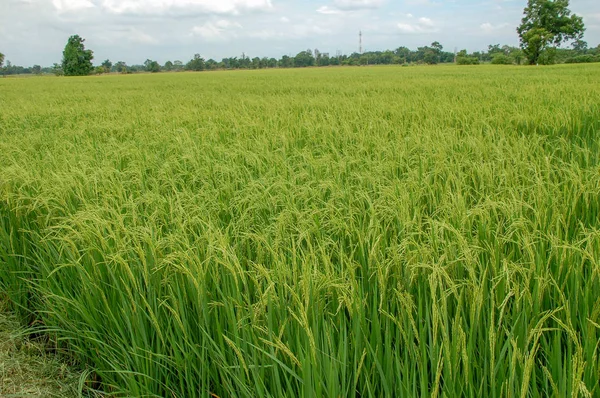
365, 232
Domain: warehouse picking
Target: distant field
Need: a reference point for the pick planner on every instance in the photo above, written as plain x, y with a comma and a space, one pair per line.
360, 232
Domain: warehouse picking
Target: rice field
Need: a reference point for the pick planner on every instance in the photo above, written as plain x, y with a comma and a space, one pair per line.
343, 232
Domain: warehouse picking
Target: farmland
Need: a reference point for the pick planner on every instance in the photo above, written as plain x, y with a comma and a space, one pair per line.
380, 231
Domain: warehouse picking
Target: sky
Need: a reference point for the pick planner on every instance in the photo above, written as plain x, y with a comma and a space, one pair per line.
36, 31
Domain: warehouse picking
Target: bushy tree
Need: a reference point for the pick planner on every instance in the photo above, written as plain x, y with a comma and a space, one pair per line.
57, 69
304, 58
77, 61
107, 66
120, 67
501, 59
1, 60
547, 23
151, 66
462, 58
196, 63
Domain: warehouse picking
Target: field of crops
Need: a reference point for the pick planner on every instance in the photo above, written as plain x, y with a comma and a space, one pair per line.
408, 232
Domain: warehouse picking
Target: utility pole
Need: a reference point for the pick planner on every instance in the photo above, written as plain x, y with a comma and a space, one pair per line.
360, 49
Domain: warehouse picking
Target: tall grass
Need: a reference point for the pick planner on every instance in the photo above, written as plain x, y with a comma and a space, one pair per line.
348, 232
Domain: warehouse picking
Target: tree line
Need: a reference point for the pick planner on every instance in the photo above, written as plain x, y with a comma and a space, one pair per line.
545, 26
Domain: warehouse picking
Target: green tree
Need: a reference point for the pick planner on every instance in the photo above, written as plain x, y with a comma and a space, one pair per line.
121, 67
168, 66
196, 64
77, 61
304, 58
36, 69
57, 69
151, 66
580, 46
286, 62
107, 65
547, 23
1, 60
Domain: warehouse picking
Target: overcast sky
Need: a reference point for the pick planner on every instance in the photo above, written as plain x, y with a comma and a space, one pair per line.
36, 31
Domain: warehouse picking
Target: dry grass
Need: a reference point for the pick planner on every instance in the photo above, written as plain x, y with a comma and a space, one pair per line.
27, 369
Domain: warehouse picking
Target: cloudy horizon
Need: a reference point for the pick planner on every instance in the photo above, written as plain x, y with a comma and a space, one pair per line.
36, 31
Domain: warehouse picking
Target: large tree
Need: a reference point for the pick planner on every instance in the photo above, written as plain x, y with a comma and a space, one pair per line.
77, 61
547, 23
1, 60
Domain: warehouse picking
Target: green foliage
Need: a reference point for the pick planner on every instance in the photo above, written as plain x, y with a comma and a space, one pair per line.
583, 59
464, 60
57, 70
546, 23
151, 66
196, 63
77, 61
1, 60
121, 67
349, 232
304, 59
501, 59
107, 66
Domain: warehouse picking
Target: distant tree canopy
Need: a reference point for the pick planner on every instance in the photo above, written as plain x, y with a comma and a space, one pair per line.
106, 66
77, 61
151, 66
547, 23
304, 59
1, 60
196, 63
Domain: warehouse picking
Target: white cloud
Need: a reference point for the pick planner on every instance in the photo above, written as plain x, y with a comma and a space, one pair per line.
489, 28
138, 36
218, 30
357, 4
328, 10
71, 5
296, 32
595, 17
422, 25
233, 7
341, 6
284, 19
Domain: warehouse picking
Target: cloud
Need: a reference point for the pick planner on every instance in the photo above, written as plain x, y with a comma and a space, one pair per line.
284, 19
296, 32
594, 17
342, 6
217, 31
71, 5
357, 4
161, 7
422, 25
138, 36
489, 28
328, 10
